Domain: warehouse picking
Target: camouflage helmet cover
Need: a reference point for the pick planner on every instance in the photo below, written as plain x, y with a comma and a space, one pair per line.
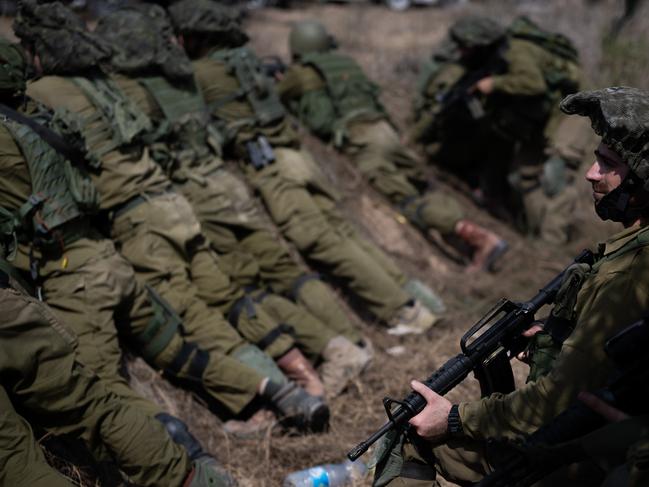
476, 31
208, 18
309, 36
620, 115
141, 37
58, 37
13, 68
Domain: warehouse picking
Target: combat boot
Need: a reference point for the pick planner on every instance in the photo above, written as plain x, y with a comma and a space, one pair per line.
342, 361
412, 318
487, 247
297, 368
181, 435
298, 408
207, 472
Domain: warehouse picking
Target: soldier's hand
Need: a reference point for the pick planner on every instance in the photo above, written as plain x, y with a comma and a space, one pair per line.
432, 422
602, 408
484, 86
529, 333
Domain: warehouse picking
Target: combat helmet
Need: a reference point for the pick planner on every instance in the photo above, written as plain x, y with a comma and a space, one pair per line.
309, 36
59, 38
477, 31
13, 69
141, 37
620, 115
208, 19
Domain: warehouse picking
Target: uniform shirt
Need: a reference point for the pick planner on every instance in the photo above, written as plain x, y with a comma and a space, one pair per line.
15, 189
124, 174
216, 82
610, 299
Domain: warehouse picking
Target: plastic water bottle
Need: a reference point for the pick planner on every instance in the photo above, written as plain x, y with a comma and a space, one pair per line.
328, 475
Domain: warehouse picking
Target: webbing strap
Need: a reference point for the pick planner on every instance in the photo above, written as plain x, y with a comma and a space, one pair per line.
198, 364
235, 313
181, 358
274, 334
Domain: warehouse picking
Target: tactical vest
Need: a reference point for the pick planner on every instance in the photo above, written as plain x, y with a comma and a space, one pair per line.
117, 121
254, 85
564, 73
190, 138
350, 91
60, 193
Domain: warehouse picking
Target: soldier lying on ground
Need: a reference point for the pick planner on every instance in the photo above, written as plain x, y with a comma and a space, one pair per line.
43, 380
297, 194
189, 151
332, 97
158, 233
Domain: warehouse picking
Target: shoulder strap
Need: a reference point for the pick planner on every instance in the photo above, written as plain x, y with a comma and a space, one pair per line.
640, 240
53, 139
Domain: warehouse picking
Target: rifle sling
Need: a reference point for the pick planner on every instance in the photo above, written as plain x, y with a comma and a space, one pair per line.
53, 139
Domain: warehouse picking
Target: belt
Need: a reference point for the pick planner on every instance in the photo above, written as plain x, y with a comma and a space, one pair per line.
136, 201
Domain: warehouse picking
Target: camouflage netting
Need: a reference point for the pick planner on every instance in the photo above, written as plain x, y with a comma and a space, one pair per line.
208, 18
476, 31
620, 115
141, 38
12, 68
59, 38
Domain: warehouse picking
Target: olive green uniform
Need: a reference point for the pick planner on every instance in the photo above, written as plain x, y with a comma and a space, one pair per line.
211, 188
615, 294
21, 459
157, 233
42, 377
296, 193
360, 128
509, 147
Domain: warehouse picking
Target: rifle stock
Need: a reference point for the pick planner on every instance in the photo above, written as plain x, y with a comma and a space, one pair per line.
493, 340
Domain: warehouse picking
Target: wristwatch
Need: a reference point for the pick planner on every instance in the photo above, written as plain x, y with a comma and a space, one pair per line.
454, 421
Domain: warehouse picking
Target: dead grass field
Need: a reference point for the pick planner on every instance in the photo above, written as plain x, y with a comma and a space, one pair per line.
390, 46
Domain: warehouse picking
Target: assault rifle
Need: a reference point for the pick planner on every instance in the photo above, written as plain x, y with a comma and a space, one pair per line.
627, 392
486, 348
272, 65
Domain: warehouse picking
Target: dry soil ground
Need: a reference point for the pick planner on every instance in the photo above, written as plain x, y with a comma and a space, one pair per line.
390, 47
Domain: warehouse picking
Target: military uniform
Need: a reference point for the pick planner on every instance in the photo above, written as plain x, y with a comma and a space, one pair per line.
613, 294
203, 178
299, 199
87, 283
519, 135
363, 131
21, 459
42, 377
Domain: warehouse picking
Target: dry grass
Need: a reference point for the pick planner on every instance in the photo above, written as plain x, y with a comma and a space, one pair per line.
390, 46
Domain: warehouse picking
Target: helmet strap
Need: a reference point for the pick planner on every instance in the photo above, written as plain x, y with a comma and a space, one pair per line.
615, 205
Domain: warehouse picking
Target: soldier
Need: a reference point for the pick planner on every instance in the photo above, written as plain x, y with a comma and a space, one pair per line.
331, 95
613, 293
41, 377
499, 86
140, 35
296, 193
205, 351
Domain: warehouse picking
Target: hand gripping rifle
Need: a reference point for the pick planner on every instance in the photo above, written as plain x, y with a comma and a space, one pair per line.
626, 391
487, 349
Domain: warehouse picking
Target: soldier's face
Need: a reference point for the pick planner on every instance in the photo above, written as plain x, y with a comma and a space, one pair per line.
607, 172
